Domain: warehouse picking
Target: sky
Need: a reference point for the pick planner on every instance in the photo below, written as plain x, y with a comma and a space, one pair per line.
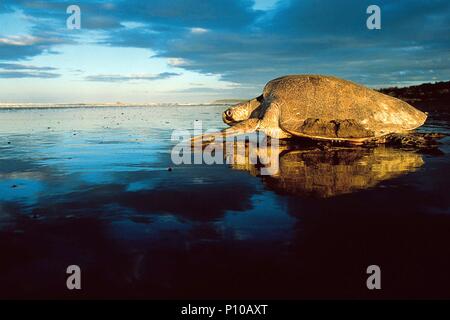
199, 51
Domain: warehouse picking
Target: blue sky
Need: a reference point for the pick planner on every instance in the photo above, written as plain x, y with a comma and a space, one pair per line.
199, 51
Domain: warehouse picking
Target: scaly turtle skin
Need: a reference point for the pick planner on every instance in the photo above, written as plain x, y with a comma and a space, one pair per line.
321, 108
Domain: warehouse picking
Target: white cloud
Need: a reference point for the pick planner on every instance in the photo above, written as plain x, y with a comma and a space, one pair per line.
19, 40
198, 30
177, 62
121, 78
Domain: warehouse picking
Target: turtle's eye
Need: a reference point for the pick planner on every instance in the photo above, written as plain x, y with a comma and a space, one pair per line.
228, 113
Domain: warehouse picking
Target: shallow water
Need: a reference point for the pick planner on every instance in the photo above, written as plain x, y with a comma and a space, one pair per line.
90, 186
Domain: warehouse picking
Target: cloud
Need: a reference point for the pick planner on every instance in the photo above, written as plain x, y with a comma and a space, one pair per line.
27, 74
230, 14
325, 37
19, 71
217, 14
23, 40
124, 78
177, 62
26, 46
198, 30
17, 66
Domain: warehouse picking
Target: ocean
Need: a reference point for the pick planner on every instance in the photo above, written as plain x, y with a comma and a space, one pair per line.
96, 187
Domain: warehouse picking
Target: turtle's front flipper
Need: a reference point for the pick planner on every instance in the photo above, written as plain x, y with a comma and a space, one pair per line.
244, 127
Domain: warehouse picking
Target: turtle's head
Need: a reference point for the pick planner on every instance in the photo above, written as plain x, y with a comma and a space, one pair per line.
235, 114
240, 112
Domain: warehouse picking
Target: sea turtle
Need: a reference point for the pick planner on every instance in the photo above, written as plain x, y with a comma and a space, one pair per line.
320, 108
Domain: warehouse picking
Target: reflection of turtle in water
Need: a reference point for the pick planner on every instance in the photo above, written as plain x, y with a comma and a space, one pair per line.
321, 108
337, 170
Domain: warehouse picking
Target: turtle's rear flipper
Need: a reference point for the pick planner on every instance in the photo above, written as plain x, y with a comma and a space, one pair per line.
414, 139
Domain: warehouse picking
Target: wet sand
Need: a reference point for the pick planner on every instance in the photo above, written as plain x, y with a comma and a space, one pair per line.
91, 186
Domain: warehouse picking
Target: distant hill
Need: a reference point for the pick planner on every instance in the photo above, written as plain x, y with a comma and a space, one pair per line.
427, 96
